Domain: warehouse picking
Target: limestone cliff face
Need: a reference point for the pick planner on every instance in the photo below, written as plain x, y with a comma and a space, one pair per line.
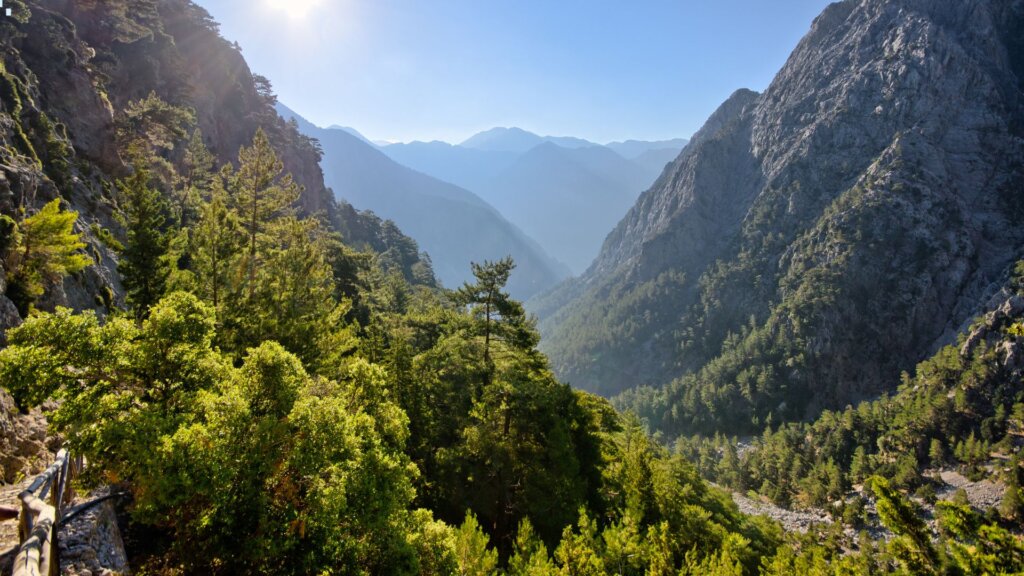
840, 224
70, 67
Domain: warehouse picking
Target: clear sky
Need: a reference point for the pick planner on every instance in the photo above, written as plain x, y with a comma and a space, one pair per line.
603, 70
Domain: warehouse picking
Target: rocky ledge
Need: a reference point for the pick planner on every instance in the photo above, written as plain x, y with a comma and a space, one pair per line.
90, 542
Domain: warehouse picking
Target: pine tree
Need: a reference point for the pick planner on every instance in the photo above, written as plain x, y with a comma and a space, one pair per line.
936, 452
471, 548
498, 315
195, 177
912, 545
1011, 506
40, 251
216, 242
143, 268
260, 194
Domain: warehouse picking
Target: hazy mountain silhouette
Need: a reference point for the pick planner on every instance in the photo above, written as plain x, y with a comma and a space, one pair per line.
446, 220
632, 149
518, 140
564, 192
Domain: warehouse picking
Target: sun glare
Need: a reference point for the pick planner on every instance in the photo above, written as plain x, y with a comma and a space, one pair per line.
295, 9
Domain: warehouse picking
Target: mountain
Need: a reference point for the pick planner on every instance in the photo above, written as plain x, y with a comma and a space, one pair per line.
450, 223
567, 197
72, 72
351, 131
653, 161
470, 168
633, 149
812, 242
518, 140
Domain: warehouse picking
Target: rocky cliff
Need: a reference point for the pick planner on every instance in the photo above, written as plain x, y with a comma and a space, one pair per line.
813, 241
68, 71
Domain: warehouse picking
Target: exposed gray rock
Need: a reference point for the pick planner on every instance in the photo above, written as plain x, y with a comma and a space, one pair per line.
90, 543
863, 206
23, 441
9, 317
791, 520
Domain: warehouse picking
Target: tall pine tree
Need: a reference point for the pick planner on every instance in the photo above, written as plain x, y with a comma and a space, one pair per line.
143, 268
260, 194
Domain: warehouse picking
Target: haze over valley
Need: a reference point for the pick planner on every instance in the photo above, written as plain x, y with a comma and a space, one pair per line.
512, 288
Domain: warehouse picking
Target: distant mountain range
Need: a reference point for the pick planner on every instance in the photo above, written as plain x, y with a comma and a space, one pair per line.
564, 194
518, 140
451, 224
567, 193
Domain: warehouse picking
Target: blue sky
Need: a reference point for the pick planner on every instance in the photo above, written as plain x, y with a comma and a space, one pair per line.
604, 70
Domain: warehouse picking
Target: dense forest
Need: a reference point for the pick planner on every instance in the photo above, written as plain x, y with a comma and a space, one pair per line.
261, 426
963, 408
280, 385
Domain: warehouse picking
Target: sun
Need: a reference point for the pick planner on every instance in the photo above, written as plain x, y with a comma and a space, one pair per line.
294, 9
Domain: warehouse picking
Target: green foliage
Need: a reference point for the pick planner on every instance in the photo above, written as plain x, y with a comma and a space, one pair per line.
958, 408
912, 546
195, 176
530, 556
260, 195
261, 429
250, 466
475, 557
106, 237
154, 123
142, 266
216, 241
1017, 277
976, 547
40, 251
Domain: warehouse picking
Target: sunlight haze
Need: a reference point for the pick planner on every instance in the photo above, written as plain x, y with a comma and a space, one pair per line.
401, 70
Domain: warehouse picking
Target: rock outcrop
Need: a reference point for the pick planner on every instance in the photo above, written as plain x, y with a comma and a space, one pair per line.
24, 445
69, 69
813, 241
90, 542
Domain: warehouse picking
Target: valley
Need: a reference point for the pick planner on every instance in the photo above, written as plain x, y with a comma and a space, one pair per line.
791, 342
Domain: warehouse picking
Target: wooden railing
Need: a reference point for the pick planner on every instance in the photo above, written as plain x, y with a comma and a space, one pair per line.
42, 506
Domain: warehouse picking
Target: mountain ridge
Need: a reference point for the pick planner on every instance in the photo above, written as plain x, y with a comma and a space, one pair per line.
829, 230
567, 198
449, 221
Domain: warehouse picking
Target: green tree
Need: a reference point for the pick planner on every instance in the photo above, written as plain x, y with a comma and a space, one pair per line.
579, 553
296, 290
976, 547
39, 252
149, 129
912, 545
529, 556
260, 194
936, 452
196, 177
1011, 508
216, 241
253, 469
474, 555
143, 267
499, 317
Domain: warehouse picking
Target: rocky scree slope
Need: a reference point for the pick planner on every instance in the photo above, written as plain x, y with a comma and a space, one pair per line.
814, 240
